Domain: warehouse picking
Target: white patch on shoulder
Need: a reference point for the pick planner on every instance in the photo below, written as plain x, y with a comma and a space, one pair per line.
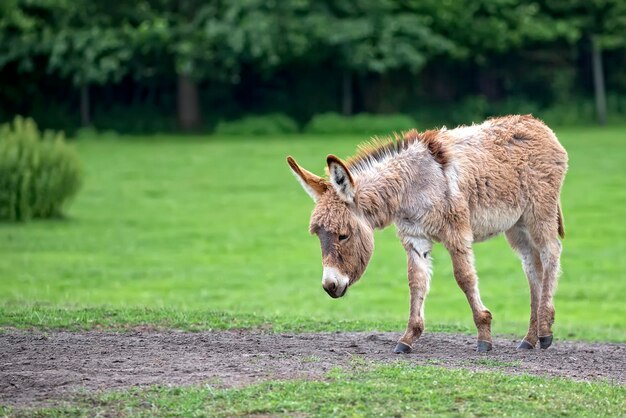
468, 131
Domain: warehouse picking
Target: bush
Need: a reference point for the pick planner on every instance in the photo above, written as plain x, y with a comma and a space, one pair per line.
271, 124
85, 133
473, 109
576, 112
137, 119
361, 124
89, 133
39, 173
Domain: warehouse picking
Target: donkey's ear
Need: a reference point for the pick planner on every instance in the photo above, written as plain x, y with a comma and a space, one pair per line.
340, 178
314, 185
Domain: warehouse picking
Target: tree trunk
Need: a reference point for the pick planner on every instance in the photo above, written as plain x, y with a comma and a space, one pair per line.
346, 102
85, 117
598, 80
188, 103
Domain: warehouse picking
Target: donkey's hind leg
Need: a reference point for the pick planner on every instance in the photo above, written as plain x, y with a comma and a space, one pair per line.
544, 237
520, 241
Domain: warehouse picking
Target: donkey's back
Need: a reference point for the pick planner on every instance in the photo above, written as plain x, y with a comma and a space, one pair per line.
506, 169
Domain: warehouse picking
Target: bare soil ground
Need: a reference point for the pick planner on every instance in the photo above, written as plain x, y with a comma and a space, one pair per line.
40, 368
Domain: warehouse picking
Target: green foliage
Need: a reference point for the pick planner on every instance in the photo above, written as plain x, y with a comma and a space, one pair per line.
43, 317
474, 109
482, 28
513, 106
137, 120
471, 109
575, 112
377, 36
95, 42
272, 124
39, 173
604, 21
222, 44
91, 55
81, 41
91, 133
362, 124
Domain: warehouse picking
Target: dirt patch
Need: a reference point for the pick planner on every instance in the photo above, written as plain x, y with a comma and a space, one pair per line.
36, 368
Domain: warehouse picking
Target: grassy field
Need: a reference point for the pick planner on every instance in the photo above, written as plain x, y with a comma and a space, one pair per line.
211, 233
199, 233
391, 390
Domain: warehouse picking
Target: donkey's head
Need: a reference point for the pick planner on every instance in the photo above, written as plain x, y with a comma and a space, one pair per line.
347, 239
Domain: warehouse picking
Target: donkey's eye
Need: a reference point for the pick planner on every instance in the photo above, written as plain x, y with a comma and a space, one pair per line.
343, 237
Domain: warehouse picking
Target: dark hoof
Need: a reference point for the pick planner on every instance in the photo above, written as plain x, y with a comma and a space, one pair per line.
545, 342
525, 345
402, 348
484, 346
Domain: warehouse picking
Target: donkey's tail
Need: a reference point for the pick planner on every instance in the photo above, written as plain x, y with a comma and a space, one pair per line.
560, 219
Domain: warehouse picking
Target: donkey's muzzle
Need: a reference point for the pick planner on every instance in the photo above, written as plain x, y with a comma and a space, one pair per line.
335, 291
334, 282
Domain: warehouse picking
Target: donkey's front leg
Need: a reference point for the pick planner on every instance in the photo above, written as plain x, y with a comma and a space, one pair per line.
465, 275
419, 272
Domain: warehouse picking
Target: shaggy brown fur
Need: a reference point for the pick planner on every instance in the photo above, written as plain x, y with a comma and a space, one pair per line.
456, 187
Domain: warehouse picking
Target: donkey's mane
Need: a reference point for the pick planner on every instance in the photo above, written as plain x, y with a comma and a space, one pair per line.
379, 149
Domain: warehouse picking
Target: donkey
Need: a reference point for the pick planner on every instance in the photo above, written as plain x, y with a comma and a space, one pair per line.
455, 187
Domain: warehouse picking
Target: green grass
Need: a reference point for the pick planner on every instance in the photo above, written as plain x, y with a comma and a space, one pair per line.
200, 233
390, 390
120, 319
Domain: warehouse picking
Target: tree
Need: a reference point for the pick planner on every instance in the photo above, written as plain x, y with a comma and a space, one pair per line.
374, 36
602, 25
368, 46
79, 40
212, 41
87, 56
486, 30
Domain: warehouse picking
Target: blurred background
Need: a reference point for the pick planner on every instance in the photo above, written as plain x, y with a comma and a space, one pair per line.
167, 65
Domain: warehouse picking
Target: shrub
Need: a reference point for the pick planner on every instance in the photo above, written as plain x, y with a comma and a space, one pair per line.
138, 119
471, 109
361, 124
89, 133
576, 112
86, 133
39, 173
271, 124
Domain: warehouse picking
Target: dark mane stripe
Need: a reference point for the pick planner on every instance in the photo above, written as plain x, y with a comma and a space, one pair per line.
379, 148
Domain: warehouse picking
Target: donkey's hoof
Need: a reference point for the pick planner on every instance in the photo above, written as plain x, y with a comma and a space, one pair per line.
545, 342
402, 348
484, 346
525, 345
